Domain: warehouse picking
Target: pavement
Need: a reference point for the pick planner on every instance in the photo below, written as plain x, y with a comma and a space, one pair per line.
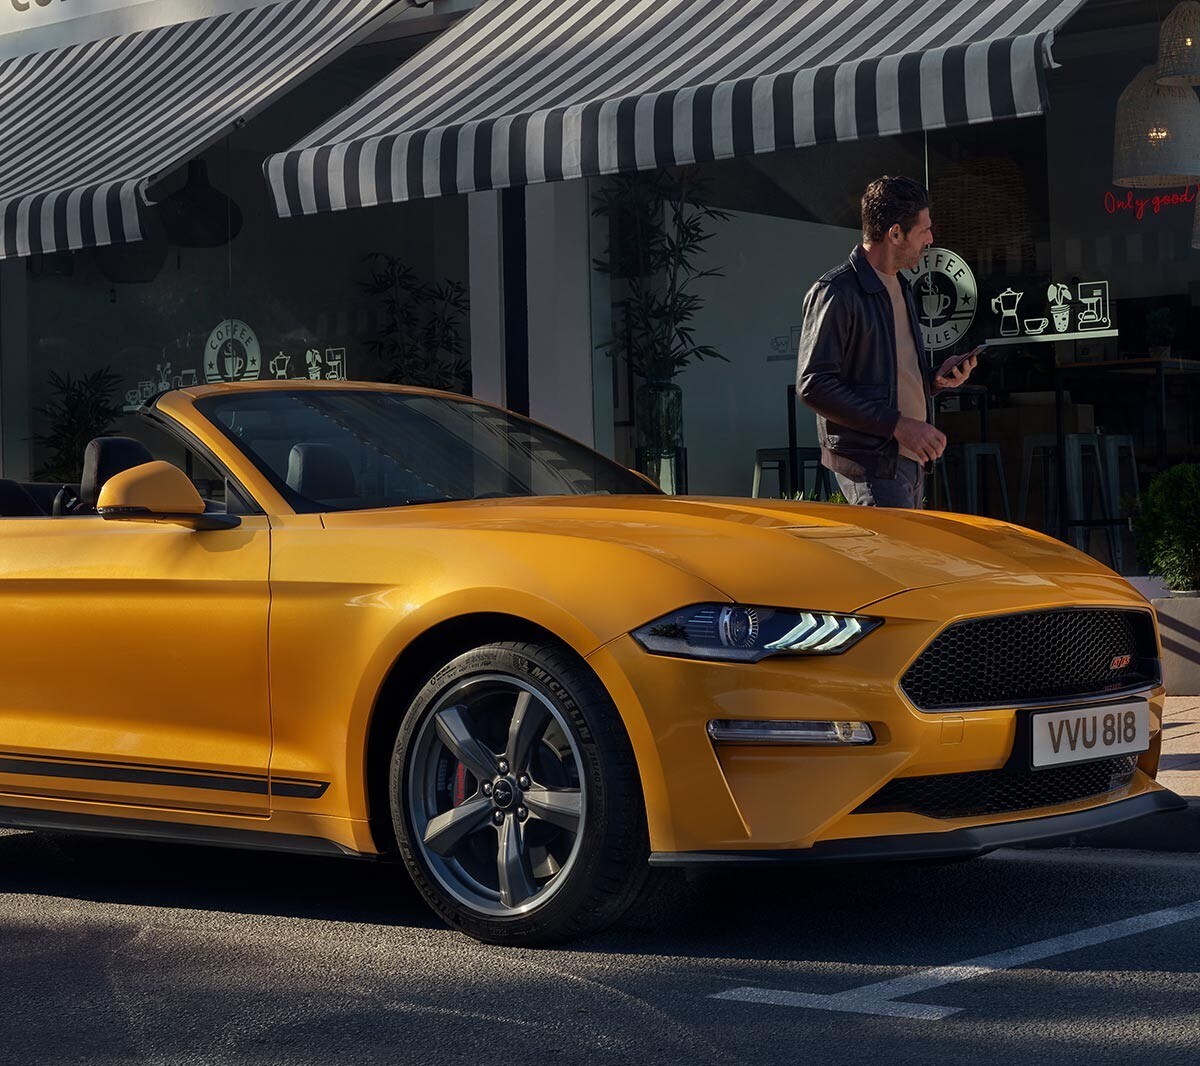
134, 952
131, 952
1179, 770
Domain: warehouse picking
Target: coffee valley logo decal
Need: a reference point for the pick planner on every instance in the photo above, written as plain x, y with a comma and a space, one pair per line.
945, 293
232, 353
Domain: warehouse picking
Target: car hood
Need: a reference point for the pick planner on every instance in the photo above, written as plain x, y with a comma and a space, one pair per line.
823, 556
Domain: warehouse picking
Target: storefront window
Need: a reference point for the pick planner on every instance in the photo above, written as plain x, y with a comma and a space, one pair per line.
788, 218
1087, 291
222, 290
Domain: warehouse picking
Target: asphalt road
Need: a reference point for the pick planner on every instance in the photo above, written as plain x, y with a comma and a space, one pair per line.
128, 952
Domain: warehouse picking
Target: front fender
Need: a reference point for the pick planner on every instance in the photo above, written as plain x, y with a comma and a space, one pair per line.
345, 606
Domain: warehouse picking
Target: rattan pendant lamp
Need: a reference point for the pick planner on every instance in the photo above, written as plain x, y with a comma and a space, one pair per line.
1157, 140
1179, 46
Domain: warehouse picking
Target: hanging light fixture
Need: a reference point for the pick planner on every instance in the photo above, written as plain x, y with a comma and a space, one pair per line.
1179, 46
1157, 140
199, 216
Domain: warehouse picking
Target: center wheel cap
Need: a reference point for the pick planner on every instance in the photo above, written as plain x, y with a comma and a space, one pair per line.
503, 794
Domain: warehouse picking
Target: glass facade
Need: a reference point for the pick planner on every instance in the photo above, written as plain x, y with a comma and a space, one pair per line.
223, 290
1087, 291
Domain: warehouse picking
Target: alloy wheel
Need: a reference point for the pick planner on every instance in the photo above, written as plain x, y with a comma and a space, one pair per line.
496, 795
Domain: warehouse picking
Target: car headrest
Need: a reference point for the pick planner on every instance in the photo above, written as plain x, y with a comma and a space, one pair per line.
320, 472
104, 457
15, 501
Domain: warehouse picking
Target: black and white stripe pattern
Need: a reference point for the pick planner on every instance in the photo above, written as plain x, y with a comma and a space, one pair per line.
526, 91
83, 128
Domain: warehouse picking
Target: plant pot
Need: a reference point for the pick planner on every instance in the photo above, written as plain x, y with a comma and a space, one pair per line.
658, 412
1062, 317
1180, 594
1179, 628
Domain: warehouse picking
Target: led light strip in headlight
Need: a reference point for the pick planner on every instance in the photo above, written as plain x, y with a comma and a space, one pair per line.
741, 633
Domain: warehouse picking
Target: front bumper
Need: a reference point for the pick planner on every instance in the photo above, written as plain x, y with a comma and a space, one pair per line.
703, 798
954, 843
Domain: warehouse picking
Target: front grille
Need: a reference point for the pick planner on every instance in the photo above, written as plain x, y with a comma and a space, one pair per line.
1000, 791
1037, 656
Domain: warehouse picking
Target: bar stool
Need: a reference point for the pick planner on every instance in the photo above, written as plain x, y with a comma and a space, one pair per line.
1112, 445
777, 458
947, 501
1080, 448
780, 460
1039, 447
971, 454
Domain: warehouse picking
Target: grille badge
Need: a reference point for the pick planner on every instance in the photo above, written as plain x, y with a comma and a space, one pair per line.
1119, 662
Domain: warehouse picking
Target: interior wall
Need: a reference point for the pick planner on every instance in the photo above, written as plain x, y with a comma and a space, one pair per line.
752, 316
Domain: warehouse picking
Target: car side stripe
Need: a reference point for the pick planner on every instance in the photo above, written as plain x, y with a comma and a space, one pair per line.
260, 786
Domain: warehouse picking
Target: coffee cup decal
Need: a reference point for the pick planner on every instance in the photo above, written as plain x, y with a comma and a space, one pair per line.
935, 304
235, 362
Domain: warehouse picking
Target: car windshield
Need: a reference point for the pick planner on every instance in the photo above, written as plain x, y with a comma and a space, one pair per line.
355, 449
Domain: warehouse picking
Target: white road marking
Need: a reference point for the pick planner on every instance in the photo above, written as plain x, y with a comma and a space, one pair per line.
879, 998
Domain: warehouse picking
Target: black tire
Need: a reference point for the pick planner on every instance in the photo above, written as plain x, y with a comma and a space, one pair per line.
588, 878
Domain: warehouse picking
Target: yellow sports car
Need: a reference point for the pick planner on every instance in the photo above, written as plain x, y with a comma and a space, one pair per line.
378, 621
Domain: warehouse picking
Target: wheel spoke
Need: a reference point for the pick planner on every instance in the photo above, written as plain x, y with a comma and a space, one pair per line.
560, 807
512, 864
444, 833
455, 733
527, 720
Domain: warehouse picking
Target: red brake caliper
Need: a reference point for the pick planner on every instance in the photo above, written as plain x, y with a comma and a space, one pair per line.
460, 784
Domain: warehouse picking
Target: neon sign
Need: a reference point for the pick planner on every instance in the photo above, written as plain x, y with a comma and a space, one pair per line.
1128, 204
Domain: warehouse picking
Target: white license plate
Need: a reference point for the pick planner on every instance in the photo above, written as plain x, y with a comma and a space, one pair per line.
1085, 733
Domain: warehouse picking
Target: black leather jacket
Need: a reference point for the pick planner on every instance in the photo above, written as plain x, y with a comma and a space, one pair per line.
847, 367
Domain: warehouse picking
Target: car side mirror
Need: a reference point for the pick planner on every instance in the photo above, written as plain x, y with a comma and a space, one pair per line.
157, 492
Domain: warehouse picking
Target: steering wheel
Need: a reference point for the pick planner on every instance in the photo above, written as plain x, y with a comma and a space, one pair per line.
66, 502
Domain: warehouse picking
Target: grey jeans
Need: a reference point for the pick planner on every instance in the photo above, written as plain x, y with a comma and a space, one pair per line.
906, 489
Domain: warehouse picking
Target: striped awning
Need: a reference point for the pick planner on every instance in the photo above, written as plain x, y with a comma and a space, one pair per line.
525, 91
84, 128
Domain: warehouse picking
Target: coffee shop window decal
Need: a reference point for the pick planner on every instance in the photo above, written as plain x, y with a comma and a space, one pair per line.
232, 353
1016, 322
946, 295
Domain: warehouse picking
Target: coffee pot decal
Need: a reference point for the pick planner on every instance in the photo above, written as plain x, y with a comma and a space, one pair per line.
1005, 305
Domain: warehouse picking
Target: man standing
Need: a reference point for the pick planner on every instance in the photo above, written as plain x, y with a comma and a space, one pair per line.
862, 361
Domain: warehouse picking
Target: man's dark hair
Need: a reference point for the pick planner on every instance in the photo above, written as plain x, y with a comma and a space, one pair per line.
890, 201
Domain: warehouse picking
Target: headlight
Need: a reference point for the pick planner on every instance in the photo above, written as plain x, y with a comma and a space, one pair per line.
737, 633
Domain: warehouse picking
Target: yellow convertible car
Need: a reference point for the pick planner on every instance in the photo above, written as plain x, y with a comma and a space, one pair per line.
377, 621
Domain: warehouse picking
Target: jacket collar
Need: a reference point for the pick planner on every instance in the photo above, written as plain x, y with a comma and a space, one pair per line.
867, 277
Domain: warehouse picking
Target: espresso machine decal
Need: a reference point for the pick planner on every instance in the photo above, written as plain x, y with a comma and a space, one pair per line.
1093, 305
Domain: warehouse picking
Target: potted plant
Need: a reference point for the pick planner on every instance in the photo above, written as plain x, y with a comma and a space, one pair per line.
422, 333
1167, 532
659, 225
82, 408
1159, 332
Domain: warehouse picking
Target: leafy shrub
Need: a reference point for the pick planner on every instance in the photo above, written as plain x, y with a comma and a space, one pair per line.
1167, 528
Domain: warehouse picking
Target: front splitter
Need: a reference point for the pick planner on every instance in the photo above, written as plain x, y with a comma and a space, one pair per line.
974, 840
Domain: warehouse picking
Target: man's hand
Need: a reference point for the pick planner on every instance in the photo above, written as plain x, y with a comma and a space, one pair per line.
920, 438
948, 378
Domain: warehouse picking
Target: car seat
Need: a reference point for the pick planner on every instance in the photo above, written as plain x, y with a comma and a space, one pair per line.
103, 458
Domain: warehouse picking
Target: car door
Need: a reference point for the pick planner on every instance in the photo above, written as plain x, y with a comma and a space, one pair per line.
135, 664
